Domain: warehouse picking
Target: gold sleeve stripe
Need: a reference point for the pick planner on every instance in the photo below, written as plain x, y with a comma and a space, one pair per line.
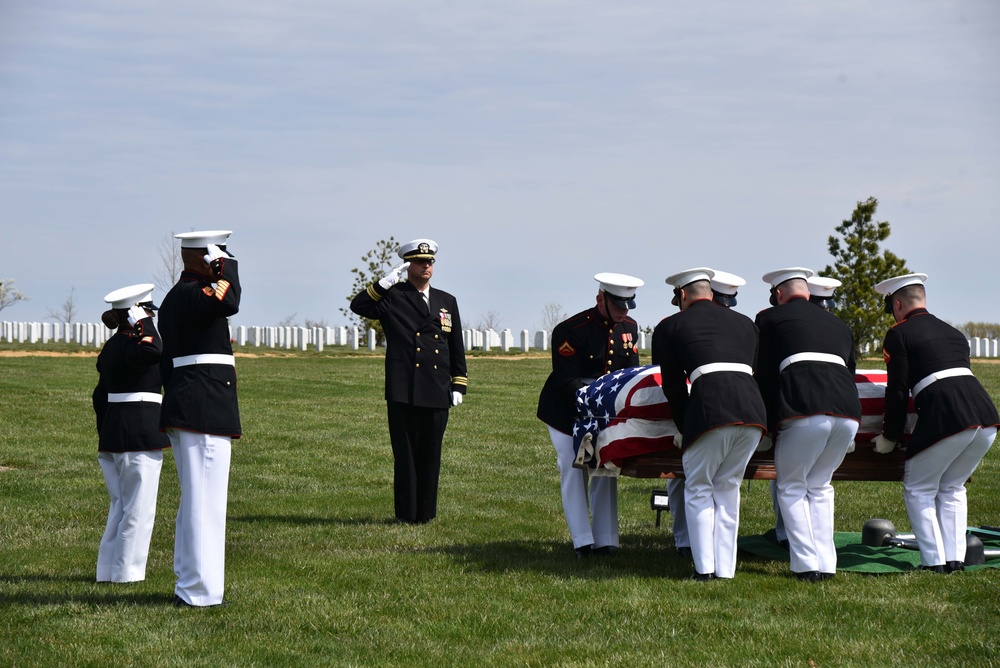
460, 380
222, 287
373, 294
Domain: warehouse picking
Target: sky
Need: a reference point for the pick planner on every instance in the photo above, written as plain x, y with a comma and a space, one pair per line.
538, 142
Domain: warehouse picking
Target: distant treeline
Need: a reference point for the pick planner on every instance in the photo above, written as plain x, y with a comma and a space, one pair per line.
984, 330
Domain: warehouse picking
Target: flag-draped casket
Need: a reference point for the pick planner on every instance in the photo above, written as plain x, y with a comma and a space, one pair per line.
624, 417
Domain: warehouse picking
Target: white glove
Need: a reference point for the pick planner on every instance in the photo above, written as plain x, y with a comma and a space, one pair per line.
678, 440
850, 448
394, 276
214, 253
456, 398
884, 446
766, 443
137, 313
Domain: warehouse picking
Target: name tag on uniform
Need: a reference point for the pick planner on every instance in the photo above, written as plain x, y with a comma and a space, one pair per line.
445, 318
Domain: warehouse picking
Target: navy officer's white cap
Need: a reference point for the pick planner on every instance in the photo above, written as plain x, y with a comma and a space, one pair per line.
726, 283
127, 297
202, 239
779, 276
621, 287
688, 276
890, 285
418, 249
822, 286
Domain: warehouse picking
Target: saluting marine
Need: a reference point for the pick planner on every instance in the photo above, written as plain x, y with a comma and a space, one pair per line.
586, 346
130, 451
425, 373
201, 412
956, 420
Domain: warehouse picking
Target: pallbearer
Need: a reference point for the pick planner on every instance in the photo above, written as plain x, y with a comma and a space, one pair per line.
957, 421
201, 413
805, 372
130, 451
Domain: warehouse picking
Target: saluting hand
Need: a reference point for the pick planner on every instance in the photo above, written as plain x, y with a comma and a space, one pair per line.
394, 276
137, 313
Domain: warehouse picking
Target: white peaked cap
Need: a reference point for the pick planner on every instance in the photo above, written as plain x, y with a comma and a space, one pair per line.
620, 285
891, 285
418, 249
203, 239
682, 278
130, 296
779, 276
726, 283
822, 286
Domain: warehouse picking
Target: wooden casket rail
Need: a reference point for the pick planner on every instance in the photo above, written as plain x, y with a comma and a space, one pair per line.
862, 464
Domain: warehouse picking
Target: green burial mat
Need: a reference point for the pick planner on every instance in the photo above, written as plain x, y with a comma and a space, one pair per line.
854, 557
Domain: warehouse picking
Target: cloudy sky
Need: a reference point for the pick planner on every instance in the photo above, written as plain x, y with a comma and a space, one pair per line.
537, 141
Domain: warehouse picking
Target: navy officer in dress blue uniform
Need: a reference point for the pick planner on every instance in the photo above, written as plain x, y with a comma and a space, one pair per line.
425, 372
130, 450
586, 346
805, 371
956, 420
720, 423
725, 287
200, 412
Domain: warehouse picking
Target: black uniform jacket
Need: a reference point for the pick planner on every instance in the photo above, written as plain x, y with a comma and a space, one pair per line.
193, 321
129, 362
584, 347
809, 387
425, 354
913, 349
701, 334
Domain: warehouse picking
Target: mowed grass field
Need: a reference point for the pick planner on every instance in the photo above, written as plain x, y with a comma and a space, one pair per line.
318, 574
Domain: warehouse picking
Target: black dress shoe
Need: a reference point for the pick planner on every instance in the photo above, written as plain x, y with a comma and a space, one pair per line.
685, 552
181, 603
783, 544
605, 551
584, 551
702, 577
940, 568
826, 576
954, 566
810, 576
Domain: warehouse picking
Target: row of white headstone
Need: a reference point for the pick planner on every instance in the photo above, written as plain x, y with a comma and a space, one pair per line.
302, 338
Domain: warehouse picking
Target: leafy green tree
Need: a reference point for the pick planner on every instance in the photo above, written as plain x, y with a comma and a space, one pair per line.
984, 330
860, 262
376, 263
9, 295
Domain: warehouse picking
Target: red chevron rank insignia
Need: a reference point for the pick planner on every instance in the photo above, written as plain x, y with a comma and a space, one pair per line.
566, 350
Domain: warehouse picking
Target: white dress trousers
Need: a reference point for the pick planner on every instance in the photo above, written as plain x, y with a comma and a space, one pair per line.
713, 470
779, 523
807, 451
934, 493
603, 498
200, 539
675, 498
132, 479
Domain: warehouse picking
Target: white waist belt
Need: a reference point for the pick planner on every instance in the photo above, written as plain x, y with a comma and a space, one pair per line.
811, 357
127, 397
713, 367
938, 375
204, 358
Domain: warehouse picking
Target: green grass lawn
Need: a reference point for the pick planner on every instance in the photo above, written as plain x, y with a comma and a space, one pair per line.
317, 574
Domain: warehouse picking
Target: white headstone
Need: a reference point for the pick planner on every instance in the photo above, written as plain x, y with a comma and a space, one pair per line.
355, 338
525, 340
542, 339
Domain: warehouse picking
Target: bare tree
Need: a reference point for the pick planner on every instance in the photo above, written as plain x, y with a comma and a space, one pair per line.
171, 265
9, 295
489, 320
288, 321
552, 315
65, 313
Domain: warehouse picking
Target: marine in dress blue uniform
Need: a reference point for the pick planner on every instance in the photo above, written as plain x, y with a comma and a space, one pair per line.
130, 448
425, 373
200, 412
805, 371
720, 422
586, 346
956, 420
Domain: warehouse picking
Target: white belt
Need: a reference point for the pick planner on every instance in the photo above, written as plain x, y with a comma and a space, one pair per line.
713, 367
811, 357
938, 375
128, 397
204, 358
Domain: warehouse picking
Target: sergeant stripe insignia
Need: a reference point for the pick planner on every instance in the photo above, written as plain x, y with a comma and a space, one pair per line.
209, 290
885, 355
222, 287
566, 350
147, 339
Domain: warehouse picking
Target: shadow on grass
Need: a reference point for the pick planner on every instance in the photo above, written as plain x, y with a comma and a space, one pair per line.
115, 595
304, 520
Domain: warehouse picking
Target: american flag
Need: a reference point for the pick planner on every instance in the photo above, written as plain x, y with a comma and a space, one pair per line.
624, 414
